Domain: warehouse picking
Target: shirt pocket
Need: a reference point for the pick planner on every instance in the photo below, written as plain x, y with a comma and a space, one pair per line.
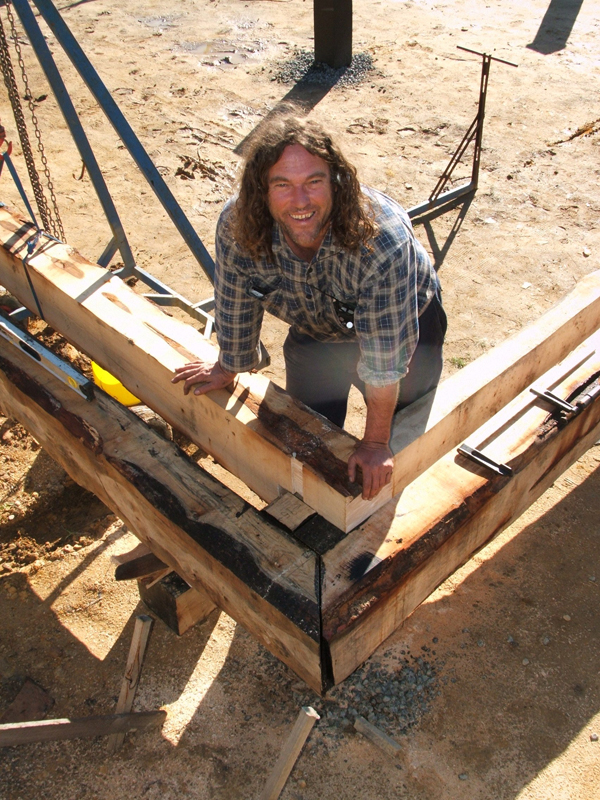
268, 291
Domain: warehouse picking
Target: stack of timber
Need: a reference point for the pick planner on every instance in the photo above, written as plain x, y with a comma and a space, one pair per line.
257, 431
321, 597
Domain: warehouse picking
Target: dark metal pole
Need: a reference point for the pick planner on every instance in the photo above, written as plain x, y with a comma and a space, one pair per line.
485, 74
44, 55
124, 130
333, 32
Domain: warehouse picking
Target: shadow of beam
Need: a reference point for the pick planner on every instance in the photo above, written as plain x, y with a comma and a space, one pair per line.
556, 27
300, 100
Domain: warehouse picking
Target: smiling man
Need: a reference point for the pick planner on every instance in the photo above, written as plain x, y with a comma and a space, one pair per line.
338, 262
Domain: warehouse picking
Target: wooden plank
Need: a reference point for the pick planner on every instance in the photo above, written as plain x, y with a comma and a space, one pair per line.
255, 572
32, 702
380, 739
53, 730
395, 529
133, 671
442, 519
289, 755
177, 604
256, 430
443, 419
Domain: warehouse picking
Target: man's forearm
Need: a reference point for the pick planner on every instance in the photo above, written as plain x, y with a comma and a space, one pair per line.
381, 403
373, 455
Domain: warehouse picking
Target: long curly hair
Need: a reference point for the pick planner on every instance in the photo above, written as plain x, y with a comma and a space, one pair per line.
352, 219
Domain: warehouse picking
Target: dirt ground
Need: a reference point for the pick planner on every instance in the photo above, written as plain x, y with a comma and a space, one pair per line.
504, 653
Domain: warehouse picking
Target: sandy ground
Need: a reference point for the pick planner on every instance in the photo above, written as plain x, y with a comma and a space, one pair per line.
514, 693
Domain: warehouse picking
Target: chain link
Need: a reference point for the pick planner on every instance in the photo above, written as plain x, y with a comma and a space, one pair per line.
51, 220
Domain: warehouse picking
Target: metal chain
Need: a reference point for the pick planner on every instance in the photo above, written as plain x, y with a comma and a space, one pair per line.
50, 216
15, 101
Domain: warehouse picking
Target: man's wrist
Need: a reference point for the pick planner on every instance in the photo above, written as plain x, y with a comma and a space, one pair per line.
373, 444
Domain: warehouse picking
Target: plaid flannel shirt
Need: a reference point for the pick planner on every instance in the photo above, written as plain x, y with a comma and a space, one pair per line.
389, 285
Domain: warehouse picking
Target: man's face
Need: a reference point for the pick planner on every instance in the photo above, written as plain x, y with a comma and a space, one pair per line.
300, 198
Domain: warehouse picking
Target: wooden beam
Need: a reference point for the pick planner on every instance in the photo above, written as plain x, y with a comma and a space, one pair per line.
462, 403
252, 570
175, 603
256, 430
289, 755
333, 32
53, 730
384, 569
133, 671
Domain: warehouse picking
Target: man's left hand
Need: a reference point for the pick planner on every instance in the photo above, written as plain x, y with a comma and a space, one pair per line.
376, 462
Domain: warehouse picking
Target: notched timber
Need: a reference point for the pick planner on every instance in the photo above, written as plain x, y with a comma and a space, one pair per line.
259, 575
255, 430
538, 449
240, 560
76, 425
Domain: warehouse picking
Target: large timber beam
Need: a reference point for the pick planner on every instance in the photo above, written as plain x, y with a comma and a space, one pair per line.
255, 572
322, 609
256, 430
376, 576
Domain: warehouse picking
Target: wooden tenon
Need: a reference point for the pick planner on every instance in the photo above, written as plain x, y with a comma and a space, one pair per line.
325, 593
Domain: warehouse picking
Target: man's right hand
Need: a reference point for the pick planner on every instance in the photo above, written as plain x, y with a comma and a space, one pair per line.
208, 376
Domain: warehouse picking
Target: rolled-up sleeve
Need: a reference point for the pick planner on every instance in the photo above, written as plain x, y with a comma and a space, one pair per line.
387, 317
239, 315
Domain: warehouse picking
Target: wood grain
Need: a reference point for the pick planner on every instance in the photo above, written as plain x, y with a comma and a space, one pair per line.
255, 572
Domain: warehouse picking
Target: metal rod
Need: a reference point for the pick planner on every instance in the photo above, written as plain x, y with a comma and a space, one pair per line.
125, 132
485, 74
493, 58
108, 253
63, 99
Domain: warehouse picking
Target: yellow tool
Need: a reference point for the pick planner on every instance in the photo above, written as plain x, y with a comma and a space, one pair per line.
112, 386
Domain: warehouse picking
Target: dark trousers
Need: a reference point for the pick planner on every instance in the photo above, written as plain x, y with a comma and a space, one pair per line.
320, 374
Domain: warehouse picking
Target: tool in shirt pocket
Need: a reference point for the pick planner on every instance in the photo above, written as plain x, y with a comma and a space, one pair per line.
344, 312
260, 290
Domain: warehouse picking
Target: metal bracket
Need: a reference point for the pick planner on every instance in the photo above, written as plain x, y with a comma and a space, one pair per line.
479, 458
46, 358
475, 133
554, 400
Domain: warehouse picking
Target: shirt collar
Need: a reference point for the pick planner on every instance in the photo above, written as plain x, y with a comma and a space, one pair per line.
281, 249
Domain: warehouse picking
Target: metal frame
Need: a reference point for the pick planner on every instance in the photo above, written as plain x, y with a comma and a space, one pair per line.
164, 295
438, 197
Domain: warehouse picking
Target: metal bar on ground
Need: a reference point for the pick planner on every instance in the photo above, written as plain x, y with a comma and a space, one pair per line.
442, 199
124, 130
380, 739
67, 108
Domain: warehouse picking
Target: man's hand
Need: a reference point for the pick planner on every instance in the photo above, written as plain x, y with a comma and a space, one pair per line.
208, 376
376, 463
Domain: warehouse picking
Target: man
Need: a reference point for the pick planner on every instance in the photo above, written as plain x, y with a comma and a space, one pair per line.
339, 262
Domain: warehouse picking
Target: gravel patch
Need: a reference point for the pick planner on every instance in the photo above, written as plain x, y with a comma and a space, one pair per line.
302, 68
